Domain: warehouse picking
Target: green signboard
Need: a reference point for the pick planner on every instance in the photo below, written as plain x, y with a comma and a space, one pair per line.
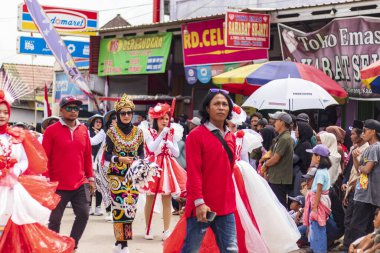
145, 54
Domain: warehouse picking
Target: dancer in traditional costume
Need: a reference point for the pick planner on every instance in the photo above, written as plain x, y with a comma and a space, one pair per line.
124, 144
262, 223
26, 199
161, 148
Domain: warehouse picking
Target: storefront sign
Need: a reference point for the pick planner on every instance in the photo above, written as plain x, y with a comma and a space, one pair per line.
65, 20
340, 49
204, 73
135, 55
247, 30
203, 44
38, 46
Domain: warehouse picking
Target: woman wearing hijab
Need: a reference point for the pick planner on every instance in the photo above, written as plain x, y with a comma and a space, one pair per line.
124, 144
301, 158
329, 140
26, 199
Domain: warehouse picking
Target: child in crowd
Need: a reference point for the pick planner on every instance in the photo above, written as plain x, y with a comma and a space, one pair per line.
318, 204
369, 243
296, 208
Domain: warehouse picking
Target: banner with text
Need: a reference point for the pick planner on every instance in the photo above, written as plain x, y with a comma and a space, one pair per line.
134, 55
203, 44
247, 30
340, 49
65, 20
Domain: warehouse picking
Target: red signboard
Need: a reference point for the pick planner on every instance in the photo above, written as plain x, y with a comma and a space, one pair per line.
247, 30
203, 43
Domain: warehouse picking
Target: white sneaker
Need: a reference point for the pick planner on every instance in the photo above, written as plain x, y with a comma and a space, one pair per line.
108, 217
116, 249
165, 235
91, 212
149, 236
98, 211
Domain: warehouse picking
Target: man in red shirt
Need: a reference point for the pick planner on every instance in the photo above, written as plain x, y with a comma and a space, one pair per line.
68, 149
210, 156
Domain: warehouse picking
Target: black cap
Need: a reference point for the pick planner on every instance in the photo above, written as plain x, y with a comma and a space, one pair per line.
358, 124
262, 122
69, 100
372, 124
303, 117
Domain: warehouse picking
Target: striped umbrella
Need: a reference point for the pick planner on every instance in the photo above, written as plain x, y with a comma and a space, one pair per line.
247, 79
371, 76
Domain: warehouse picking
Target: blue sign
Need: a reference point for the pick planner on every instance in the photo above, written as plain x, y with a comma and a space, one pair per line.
204, 73
191, 75
38, 46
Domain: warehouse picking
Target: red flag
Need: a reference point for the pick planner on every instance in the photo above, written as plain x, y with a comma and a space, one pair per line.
47, 110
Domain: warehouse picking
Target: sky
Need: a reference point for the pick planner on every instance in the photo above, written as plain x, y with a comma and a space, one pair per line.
135, 12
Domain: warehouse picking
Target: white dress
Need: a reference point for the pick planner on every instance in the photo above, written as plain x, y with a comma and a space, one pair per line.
277, 228
15, 202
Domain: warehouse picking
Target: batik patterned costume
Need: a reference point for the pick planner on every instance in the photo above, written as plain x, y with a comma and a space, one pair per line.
128, 141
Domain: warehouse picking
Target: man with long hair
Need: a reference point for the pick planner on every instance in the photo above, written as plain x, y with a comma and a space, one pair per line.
210, 156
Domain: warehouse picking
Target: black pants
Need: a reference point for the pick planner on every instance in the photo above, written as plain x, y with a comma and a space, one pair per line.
80, 199
347, 219
361, 222
281, 192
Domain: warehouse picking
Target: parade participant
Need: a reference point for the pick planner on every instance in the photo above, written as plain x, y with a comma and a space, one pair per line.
95, 125
161, 147
279, 167
367, 195
26, 199
255, 197
67, 146
101, 179
124, 144
318, 204
210, 158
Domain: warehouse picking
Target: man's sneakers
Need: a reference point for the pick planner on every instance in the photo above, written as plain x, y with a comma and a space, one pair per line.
98, 211
149, 236
91, 211
165, 235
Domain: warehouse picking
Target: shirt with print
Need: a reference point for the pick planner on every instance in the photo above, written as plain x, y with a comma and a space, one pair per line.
367, 187
322, 177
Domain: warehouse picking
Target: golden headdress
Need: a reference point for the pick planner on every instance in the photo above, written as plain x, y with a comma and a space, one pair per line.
124, 102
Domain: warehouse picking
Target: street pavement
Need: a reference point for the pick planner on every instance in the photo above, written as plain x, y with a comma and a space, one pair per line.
98, 236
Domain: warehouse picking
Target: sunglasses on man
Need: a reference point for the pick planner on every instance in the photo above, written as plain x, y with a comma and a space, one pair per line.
72, 108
